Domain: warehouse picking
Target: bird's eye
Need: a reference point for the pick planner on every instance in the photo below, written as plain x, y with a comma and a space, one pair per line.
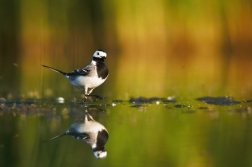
98, 154
97, 53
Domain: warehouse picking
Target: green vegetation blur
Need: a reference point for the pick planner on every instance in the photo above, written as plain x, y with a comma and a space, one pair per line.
154, 47
177, 48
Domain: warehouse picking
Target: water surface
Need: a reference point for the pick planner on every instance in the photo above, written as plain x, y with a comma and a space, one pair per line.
142, 132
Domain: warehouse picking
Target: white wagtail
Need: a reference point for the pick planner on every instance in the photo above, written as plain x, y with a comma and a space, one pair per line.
89, 131
89, 76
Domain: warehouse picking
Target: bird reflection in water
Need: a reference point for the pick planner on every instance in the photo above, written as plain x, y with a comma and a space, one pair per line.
89, 131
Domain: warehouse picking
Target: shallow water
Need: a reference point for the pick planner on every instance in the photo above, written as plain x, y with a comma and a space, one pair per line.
142, 132
187, 54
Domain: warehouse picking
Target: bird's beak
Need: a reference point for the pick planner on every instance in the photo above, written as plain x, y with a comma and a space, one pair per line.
55, 137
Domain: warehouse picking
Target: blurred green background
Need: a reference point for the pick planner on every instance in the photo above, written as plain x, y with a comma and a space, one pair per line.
178, 48
154, 48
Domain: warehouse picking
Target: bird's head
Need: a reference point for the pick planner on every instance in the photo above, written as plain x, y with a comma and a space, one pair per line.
100, 153
99, 54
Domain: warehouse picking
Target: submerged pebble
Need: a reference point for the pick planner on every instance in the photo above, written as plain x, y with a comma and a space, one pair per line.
60, 100
2, 100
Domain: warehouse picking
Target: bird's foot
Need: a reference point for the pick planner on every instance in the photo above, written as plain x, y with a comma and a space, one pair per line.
97, 97
85, 100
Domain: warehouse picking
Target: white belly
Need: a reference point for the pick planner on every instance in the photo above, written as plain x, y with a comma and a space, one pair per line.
87, 82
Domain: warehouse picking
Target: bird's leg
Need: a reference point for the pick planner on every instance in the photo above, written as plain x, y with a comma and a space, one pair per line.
88, 117
97, 96
85, 94
90, 90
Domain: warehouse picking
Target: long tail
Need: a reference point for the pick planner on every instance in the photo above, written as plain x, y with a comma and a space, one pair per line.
61, 72
55, 137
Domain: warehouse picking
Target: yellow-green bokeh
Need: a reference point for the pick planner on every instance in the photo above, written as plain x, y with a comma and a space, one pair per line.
155, 48
183, 48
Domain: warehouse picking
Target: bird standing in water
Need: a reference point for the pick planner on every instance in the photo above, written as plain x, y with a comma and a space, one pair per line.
89, 131
90, 76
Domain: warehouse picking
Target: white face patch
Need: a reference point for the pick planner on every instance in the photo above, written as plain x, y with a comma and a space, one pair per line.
100, 154
99, 54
